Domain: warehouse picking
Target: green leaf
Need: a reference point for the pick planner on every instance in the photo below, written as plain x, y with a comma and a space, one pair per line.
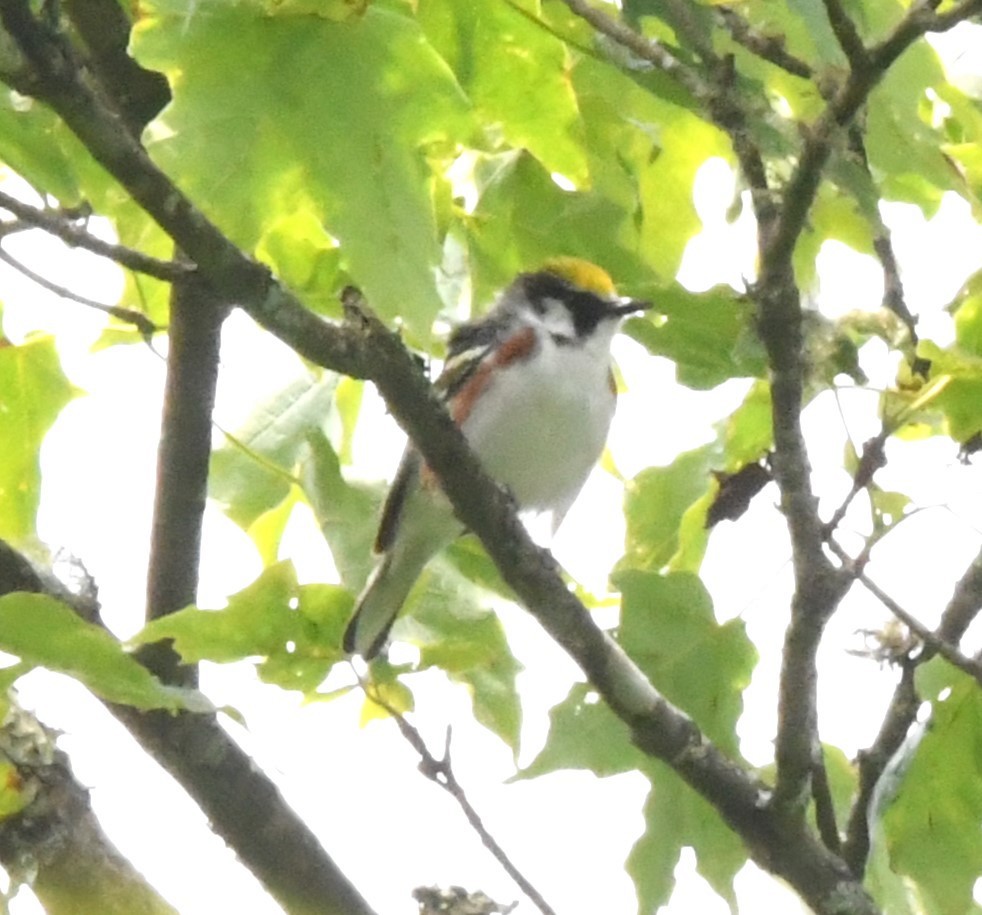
748, 432
444, 617
656, 501
710, 336
668, 628
496, 53
960, 399
676, 817
585, 734
523, 218
15, 793
44, 632
899, 141
644, 154
32, 143
843, 780
253, 471
266, 531
932, 829
346, 512
336, 120
968, 316
294, 631
33, 390
298, 247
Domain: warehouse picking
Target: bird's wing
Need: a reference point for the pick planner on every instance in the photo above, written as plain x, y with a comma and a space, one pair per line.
406, 478
468, 346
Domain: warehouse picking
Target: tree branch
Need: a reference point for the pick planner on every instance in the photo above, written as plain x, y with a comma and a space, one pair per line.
716, 95
965, 603
440, 772
934, 643
62, 227
104, 28
144, 326
760, 45
182, 464
846, 34
243, 806
54, 843
872, 762
962, 608
818, 587
824, 808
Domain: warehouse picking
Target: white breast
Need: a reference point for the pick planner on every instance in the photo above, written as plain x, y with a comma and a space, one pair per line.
542, 423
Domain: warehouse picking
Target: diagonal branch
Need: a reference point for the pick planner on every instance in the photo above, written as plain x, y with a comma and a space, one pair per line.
71, 233
846, 34
872, 763
55, 843
242, 805
440, 772
963, 606
245, 808
140, 321
764, 46
716, 95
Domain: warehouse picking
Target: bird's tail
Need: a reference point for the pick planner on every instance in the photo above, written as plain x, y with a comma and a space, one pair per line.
377, 607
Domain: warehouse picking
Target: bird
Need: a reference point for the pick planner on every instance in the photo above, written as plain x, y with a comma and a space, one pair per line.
531, 387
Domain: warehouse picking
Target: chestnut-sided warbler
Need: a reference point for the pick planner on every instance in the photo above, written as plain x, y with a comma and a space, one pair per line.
530, 386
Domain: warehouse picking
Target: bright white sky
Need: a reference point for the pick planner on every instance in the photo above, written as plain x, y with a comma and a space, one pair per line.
388, 827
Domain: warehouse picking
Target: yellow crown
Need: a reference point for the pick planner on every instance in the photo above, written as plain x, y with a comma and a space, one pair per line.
583, 274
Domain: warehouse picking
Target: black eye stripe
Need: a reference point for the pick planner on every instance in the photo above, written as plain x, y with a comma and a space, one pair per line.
586, 308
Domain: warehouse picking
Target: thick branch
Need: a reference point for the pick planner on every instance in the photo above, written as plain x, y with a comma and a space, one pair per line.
103, 26
55, 843
182, 463
243, 806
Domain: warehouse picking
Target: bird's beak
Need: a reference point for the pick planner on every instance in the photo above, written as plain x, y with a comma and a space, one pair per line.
630, 307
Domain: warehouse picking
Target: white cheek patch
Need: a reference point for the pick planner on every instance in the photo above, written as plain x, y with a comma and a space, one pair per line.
556, 319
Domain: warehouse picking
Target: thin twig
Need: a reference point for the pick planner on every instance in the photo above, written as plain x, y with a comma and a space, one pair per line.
761, 45
932, 641
715, 95
145, 327
645, 48
440, 772
962, 608
62, 227
871, 460
867, 200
